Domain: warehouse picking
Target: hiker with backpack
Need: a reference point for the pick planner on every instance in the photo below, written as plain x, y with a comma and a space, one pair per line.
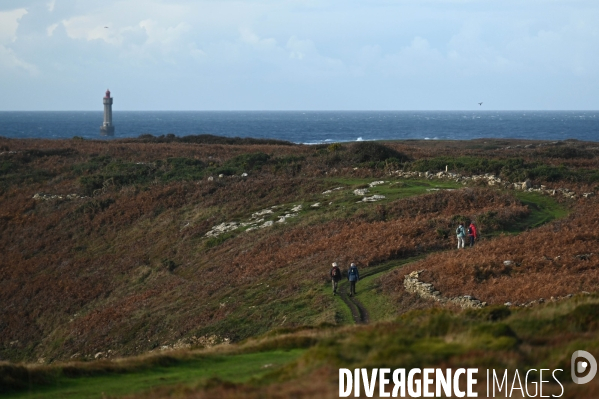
461, 233
472, 233
335, 274
353, 276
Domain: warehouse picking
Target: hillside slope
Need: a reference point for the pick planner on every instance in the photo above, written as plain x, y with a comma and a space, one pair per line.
110, 248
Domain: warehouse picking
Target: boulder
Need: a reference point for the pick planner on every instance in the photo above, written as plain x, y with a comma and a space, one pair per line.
377, 183
374, 198
361, 191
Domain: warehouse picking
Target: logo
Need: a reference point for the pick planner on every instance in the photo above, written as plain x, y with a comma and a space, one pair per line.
579, 367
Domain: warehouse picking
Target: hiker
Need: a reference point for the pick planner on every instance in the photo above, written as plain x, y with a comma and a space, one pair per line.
335, 274
353, 275
472, 233
461, 233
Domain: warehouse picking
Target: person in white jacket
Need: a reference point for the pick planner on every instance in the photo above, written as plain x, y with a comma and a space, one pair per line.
461, 233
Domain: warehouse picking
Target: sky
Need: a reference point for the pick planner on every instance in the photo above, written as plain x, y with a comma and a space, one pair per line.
299, 54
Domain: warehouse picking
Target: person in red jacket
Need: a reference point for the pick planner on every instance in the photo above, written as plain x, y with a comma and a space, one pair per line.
472, 233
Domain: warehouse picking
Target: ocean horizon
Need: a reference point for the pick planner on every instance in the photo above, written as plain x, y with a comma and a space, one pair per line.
309, 127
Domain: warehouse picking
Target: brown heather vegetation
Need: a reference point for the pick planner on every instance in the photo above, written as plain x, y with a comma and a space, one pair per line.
127, 268
554, 260
404, 228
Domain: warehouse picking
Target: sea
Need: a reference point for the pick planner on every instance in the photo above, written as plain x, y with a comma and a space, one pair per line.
309, 127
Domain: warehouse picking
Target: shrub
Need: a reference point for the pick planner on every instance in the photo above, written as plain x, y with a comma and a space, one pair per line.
15, 377
247, 162
334, 147
442, 233
490, 313
371, 151
512, 169
95, 206
89, 184
583, 318
291, 164
566, 152
216, 241
286, 342
61, 152
290, 159
93, 165
207, 139
181, 168
7, 167
114, 172
227, 171
333, 159
495, 330
169, 264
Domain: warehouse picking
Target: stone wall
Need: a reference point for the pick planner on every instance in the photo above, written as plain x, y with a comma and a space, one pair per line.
427, 291
491, 180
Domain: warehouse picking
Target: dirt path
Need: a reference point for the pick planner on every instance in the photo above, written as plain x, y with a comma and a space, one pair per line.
358, 311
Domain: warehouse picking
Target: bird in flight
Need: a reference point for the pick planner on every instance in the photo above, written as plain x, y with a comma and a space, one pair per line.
480, 103
106, 27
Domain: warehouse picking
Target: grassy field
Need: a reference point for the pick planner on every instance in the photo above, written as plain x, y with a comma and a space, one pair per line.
495, 338
187, 372
543, 208
394, 188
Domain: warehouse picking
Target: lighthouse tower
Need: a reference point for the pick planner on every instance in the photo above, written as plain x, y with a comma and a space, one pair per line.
107, 128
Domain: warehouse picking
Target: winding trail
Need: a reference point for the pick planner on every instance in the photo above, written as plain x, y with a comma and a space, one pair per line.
542, 212
359, 312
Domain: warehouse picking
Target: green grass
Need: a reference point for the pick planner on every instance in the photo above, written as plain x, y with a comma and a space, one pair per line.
411, 188
380, 307
191, 372
342, 314
263, 309
393, 189
543, 209
472, 338
475, 337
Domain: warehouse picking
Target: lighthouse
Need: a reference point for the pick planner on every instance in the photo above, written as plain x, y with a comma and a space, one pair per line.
107, 128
